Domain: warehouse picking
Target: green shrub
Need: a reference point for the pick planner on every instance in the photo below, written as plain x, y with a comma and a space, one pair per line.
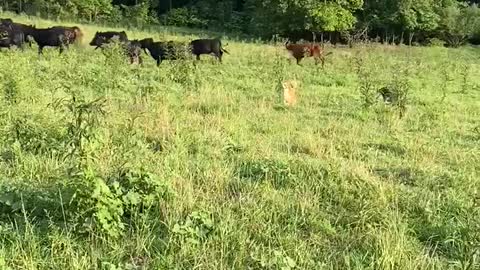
277, 172
196, 227
436, 42
105, 204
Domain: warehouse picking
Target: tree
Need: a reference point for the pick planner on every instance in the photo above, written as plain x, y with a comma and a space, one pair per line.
274, 16
381, 16
459, 21
91, 9
417, 16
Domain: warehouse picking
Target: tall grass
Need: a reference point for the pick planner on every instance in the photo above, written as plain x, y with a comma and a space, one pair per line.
106, 165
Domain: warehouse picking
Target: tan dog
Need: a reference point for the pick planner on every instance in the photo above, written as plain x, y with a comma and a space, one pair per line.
290, 92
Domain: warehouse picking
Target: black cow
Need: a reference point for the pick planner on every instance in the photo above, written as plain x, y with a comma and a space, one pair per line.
133, 50
49, 37
388, 94
102, 38
145, 42
19, 27
164, 50
208, 46
10, 37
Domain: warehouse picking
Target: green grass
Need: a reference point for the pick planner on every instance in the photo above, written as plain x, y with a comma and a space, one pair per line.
237, 181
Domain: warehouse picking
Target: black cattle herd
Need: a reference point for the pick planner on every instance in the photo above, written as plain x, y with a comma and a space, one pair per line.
17, 34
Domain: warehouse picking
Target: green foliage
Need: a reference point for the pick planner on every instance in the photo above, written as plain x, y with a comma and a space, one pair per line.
91, 9
277, 260
459, 22
279, 173
10, 89
35, 135
138, 15
440, 19
394, 21
99, 204
418, 16
106, 203
196, 228
367, 86
278, 16
331, 17
184, 17
435, 42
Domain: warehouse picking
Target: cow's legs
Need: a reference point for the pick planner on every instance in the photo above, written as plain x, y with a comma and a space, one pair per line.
40, 50
63, 47
298, 60
321, 60
198, 56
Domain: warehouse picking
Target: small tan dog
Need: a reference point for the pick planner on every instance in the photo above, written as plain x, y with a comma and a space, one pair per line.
290, 92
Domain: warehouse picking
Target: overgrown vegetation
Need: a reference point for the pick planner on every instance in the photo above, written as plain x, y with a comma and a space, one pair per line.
197, 165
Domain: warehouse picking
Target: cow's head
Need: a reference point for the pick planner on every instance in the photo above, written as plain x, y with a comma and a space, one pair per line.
98, 40
4, 32
146, 42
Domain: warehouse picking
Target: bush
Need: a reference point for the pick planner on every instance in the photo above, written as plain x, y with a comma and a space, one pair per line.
435, 42
184, 17
459, 22
105, 204
475, 39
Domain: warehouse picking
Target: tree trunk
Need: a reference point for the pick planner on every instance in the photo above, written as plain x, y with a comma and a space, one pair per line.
410, 38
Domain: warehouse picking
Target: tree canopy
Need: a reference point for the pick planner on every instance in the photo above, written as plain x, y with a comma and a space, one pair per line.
451, 20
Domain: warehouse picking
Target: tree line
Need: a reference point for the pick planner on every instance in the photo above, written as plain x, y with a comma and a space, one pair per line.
449, 22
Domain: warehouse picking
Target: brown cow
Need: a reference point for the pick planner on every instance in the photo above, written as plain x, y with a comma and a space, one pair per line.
72, 34
299, 51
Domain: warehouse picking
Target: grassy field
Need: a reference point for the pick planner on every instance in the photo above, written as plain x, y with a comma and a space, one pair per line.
106, 165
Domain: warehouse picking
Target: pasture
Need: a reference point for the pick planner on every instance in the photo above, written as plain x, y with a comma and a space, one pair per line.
199, 165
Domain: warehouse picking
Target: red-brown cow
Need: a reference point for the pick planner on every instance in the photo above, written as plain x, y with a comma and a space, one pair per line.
299, 51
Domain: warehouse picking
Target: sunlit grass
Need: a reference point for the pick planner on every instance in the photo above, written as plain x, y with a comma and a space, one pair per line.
326, 184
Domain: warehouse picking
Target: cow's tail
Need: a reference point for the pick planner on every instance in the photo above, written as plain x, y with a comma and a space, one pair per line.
286, 44
78, 36
223, 48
